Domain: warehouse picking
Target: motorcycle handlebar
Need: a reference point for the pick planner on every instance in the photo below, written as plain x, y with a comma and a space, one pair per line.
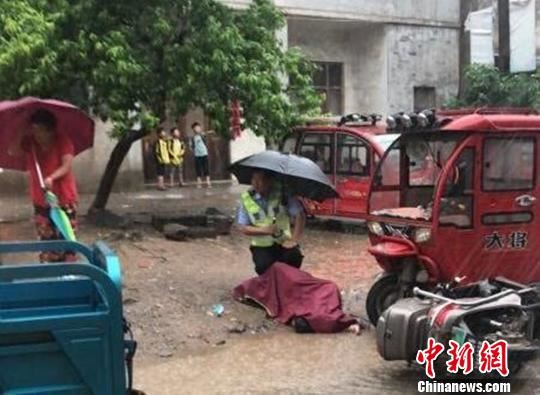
420, 292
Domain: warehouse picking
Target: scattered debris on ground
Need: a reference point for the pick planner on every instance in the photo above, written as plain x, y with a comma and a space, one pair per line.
182, 226
169, 287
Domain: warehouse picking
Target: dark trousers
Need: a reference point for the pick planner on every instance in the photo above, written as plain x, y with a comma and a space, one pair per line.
264, 257
201, 166
160, 169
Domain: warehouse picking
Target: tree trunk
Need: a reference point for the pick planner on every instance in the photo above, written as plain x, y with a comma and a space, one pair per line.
111, 171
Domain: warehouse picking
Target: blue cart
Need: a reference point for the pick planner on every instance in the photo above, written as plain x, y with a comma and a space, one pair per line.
61, 325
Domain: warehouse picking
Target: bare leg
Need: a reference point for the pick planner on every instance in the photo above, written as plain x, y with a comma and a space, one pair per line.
181, 177
161, 183
199, 182
208, 183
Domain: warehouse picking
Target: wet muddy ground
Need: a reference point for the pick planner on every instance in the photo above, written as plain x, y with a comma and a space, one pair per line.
170, 288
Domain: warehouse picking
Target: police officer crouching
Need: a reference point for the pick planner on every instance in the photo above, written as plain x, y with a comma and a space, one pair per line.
265, 213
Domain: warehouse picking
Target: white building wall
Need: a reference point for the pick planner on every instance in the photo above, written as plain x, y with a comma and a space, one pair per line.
367, 85
429, 12
90, 165
383, 63
245, 145
361, 49
420, 56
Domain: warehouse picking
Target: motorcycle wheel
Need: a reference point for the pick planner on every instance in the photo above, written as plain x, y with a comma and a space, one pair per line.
383, 293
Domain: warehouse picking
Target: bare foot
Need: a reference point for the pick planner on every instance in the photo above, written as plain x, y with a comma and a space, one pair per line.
355, 329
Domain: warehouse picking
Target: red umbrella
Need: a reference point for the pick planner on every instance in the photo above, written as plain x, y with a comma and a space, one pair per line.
14, 116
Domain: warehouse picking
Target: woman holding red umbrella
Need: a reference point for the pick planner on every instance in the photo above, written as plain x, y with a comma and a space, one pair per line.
50, 152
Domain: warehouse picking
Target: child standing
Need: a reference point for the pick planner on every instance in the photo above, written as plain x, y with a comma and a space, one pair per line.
177, 150
200, 150
162, 157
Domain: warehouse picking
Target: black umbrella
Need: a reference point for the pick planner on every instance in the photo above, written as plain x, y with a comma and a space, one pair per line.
301, 176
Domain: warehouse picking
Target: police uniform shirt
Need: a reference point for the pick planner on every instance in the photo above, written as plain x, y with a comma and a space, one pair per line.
294, 207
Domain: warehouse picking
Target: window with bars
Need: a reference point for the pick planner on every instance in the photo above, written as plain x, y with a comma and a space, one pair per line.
328, 80
425, 97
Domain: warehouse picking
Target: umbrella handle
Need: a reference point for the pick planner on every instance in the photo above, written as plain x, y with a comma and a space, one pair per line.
38, 169
284, 199
41, 182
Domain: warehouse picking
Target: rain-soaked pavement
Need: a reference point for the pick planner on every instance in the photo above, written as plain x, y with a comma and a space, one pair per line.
283, 363
286, 363
223, 196
169, 287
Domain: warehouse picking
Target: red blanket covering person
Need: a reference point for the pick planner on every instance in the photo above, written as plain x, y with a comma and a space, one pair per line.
288, 293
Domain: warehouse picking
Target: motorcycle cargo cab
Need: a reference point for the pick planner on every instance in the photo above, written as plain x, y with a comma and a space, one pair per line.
455, 196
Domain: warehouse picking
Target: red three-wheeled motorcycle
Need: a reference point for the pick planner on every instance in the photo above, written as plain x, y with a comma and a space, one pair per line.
455, 196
